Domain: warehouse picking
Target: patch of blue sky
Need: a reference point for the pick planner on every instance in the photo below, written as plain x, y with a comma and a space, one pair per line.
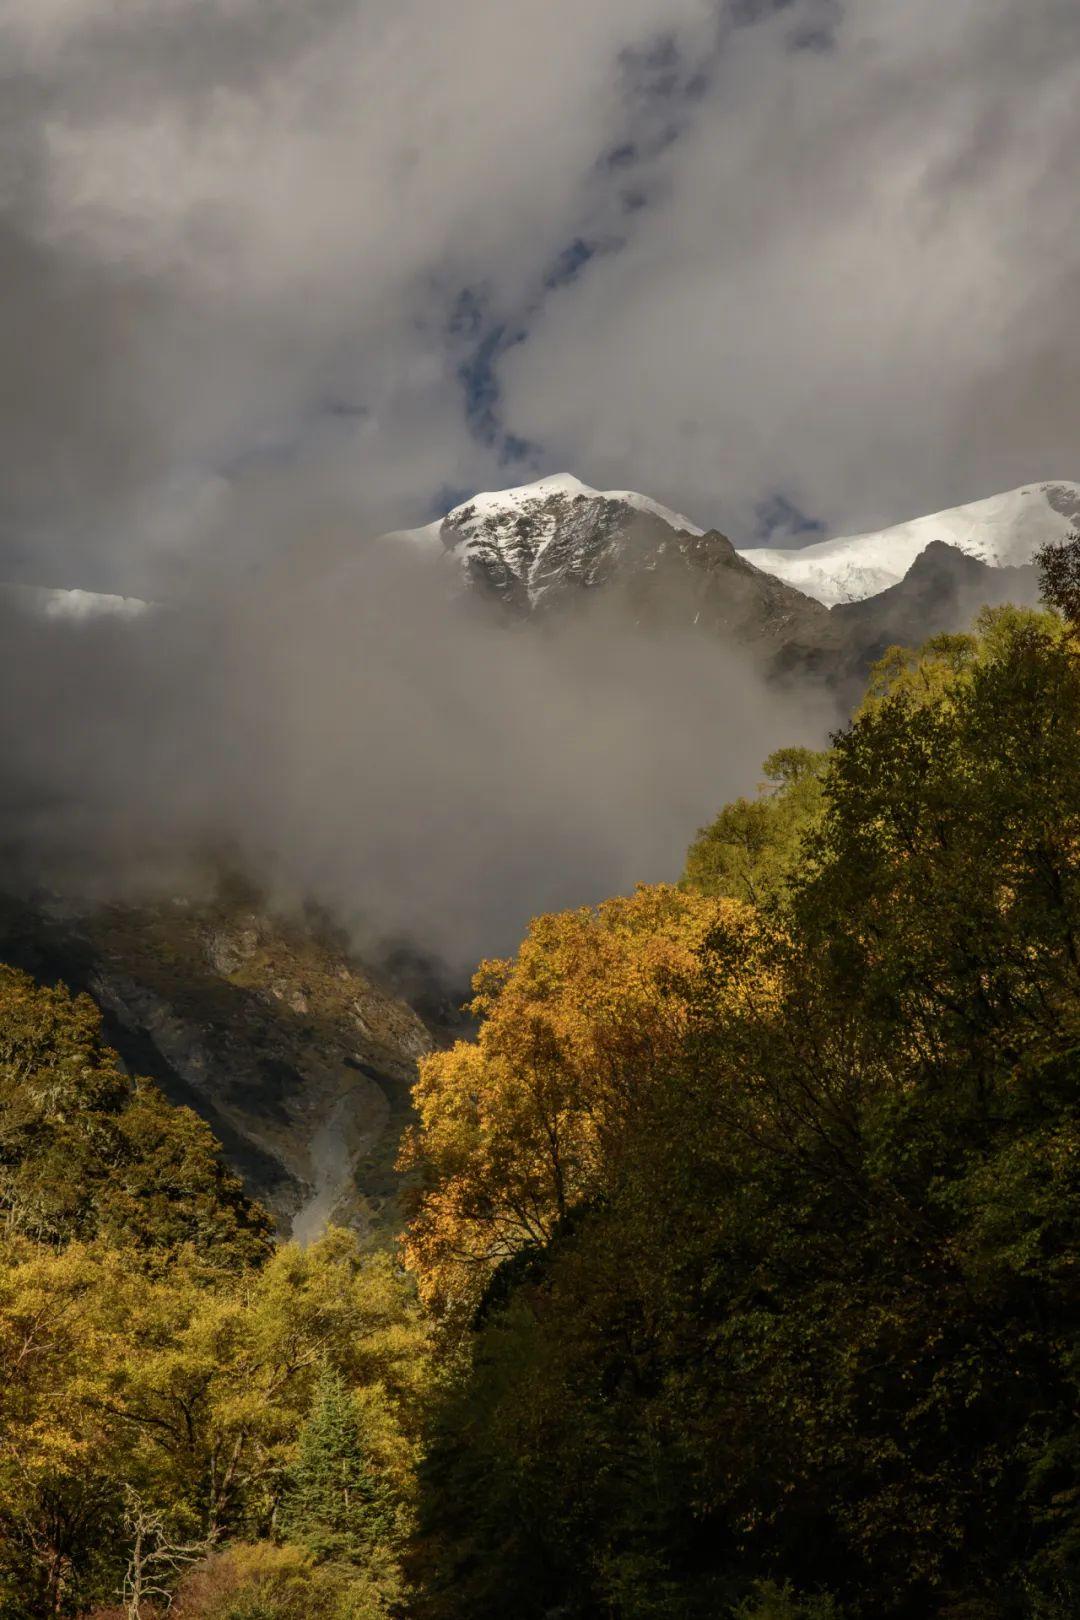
662, 83
780, 518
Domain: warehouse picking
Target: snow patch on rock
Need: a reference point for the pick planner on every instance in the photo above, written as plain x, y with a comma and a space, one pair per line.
41, 602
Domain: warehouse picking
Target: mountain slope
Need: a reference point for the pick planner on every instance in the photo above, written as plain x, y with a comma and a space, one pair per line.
943, 590
298, 1056
557, 544
533, 541
1004, 531
551, 545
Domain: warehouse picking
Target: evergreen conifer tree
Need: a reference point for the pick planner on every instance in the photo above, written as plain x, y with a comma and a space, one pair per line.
337, 1506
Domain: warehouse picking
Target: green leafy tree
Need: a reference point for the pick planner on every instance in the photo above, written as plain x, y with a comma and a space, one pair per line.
263, 1582
1059, 568
754, 848
772, 1601
86, 1151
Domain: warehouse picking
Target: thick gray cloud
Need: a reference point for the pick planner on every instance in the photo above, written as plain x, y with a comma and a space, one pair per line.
249, 225
863, 285
811, 248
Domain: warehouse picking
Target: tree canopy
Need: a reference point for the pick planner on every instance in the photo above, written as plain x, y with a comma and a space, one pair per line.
88, 1152
163, 1360
800, 1333
755, 847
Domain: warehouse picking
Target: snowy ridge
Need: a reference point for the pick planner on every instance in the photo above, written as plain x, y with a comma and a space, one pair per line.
533, 545
1004, 531
496, 505
42, 602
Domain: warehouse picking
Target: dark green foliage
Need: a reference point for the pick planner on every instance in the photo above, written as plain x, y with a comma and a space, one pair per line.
265, 1582
1059, 569
824, 1328
337, 1506
773, 1602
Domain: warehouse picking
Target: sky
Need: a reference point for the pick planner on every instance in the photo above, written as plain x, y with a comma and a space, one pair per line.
794, 267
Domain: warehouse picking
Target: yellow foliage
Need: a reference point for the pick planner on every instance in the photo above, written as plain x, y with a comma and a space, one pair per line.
190, 1393
577, 1031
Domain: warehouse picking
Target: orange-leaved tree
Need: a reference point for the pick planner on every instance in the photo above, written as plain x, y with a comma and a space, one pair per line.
527, 1122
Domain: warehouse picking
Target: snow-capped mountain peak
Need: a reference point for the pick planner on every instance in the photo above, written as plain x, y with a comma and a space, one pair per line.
1004, 531
494, 506
523, 542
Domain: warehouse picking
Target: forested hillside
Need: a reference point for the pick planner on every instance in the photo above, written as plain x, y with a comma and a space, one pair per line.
175, 1389
741, 1276
756, 1203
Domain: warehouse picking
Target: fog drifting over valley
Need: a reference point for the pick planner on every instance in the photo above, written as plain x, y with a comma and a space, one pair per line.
425, 773
280, 275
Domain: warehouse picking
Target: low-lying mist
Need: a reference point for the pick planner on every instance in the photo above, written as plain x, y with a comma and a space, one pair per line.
347, 733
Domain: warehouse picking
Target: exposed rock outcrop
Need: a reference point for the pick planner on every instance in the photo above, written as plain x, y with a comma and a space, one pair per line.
299, 1057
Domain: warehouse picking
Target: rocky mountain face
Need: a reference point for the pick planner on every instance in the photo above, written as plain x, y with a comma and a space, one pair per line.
557, 547
299, 1057
943, 590
822, 612
533, 546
